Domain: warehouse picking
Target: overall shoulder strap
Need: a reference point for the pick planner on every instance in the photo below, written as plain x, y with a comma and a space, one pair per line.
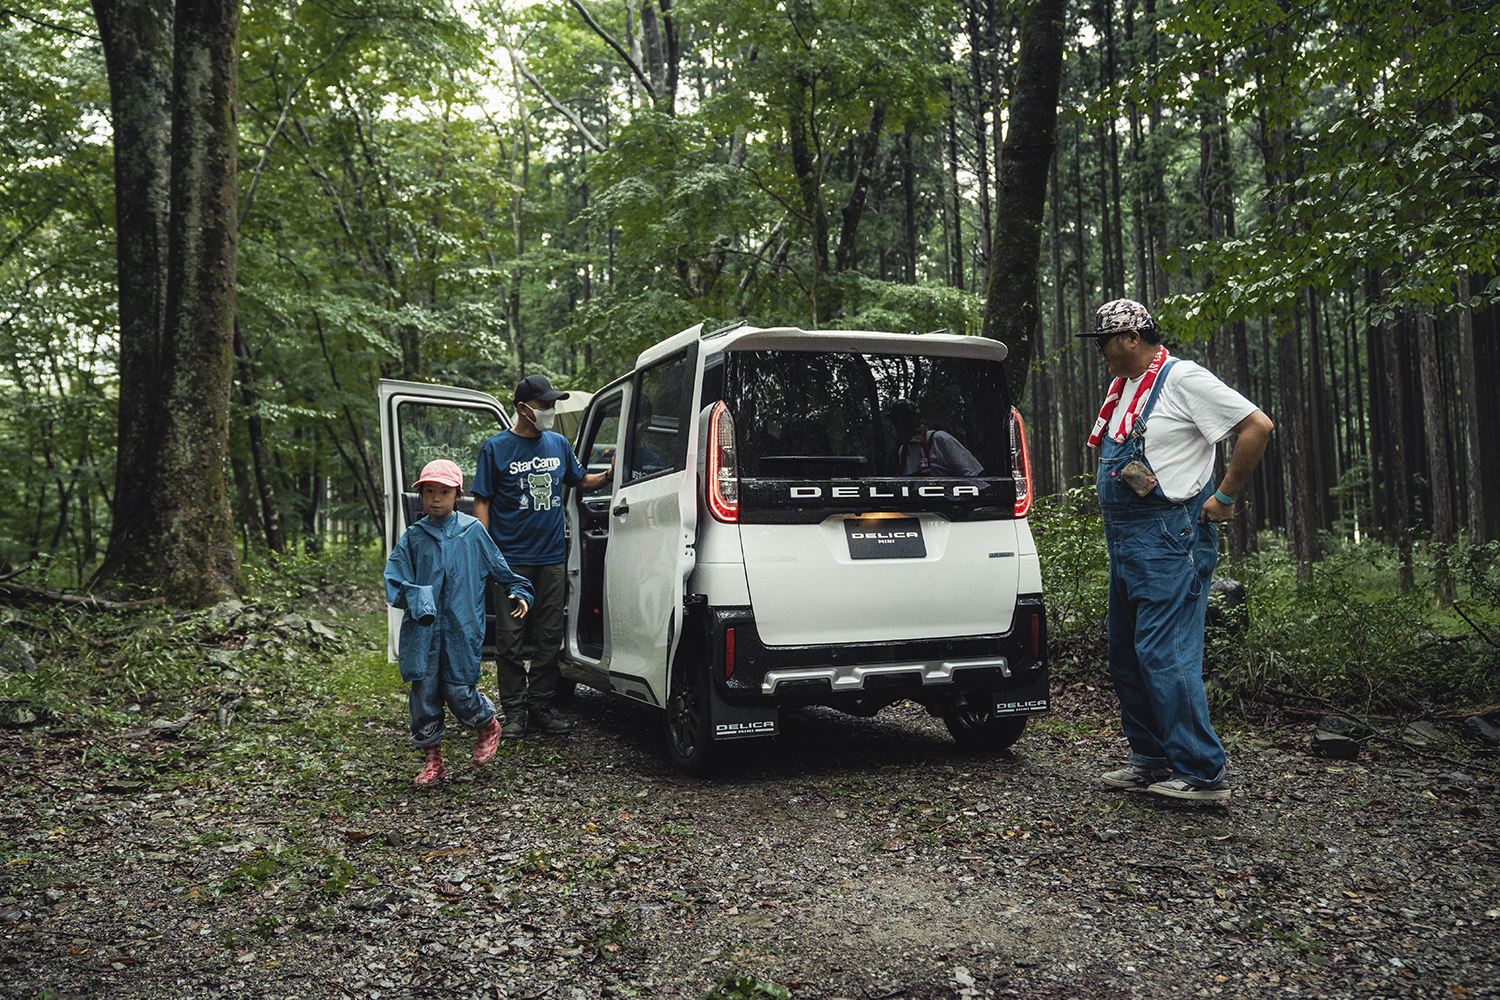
1161, 380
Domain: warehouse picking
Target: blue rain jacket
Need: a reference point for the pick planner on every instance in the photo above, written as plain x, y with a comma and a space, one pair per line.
438, 573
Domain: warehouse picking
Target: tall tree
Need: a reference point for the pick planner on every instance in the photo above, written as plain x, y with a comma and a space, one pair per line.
137, 37
1013, 308
176, 531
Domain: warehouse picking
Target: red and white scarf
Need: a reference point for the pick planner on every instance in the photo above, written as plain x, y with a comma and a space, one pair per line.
1116, 390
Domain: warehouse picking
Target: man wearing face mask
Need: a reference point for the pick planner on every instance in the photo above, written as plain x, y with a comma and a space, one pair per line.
518, 486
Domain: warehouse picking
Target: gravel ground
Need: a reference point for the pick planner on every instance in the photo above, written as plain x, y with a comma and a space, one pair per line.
857, 858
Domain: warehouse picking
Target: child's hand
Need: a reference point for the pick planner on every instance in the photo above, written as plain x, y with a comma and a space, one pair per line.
519, 611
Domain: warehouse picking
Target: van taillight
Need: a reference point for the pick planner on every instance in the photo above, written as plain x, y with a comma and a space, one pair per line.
728, 653
1020, 463
723, 467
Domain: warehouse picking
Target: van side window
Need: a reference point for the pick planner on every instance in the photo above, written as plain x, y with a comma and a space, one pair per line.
660, 418
432, 430
599, 440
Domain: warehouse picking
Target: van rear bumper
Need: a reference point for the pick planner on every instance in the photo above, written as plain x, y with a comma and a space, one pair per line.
747, 671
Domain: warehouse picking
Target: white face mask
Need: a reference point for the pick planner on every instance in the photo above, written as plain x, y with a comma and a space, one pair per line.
542, 418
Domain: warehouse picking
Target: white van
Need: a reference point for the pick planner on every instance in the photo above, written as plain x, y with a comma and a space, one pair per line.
796, 518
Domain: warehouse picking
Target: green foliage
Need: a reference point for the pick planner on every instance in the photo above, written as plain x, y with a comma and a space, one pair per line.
56, 296
1069, 533
1378, 135
737, 987
1351, 637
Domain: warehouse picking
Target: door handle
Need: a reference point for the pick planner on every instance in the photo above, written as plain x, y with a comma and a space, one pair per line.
621, 510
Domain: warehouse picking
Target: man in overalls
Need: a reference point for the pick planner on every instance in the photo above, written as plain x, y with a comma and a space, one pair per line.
1156, 433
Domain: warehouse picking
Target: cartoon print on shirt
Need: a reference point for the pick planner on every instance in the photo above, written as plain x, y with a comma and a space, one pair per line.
540, 485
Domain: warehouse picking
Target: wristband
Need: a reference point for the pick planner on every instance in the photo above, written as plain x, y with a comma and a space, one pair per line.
1226, 501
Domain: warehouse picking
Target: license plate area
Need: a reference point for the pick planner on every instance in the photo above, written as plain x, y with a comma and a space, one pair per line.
885, 538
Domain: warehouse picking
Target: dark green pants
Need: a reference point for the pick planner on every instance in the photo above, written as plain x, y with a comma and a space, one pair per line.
518, 690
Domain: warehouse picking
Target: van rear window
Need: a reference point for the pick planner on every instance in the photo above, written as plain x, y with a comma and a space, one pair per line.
831, 415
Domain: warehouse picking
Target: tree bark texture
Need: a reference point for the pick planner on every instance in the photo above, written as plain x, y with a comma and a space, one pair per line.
265, 490
194, 557
807, 162
137, 37
1012, 310
854, 208
1434, 420
1469, 392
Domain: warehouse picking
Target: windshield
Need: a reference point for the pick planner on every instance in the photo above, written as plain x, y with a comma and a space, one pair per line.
829, 415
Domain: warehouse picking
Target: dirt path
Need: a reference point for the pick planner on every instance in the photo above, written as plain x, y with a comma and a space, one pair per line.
852, 858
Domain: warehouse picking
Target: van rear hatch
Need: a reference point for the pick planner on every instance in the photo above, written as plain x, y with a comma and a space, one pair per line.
876, 497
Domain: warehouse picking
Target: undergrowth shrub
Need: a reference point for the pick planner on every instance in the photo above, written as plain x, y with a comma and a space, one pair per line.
1069, 533
117, 666
1348, 637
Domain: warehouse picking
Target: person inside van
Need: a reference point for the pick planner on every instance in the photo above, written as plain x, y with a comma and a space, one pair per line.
926, 452
646, 461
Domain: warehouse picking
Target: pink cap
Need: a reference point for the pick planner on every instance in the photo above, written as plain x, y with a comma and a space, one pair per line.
442, 472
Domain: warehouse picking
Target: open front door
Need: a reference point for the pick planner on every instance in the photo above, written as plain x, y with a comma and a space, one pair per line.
587, 515
653, 518
420, 423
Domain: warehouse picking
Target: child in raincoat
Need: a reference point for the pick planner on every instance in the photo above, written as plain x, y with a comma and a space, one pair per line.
437, 573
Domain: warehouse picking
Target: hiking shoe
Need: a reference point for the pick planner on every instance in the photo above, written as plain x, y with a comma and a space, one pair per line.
513, 730
432, 771
488, 739
1179, 788
1133, 779
542, 720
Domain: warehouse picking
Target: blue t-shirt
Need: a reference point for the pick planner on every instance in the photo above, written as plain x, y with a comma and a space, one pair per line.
522, 479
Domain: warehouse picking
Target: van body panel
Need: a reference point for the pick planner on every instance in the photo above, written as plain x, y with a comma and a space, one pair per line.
964, 585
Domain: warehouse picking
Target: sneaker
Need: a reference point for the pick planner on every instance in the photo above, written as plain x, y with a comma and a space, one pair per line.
488, 739
543, 720
432, 772
513, 730
1134, 780
1180, 788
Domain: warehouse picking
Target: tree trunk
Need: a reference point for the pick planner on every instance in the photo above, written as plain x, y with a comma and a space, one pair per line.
137, 37
954, 241
909, 194
807, 163
854, 208
1436, 423
1012, 309
1069, 467
980, 80
196, 560
1469, 397
1394, 439
1297, 443
270, 516
673, 58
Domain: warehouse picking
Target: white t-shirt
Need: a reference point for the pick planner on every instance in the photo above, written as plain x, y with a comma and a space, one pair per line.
1194, 412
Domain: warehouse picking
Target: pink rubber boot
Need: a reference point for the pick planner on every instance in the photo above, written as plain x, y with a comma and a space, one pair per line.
433, 771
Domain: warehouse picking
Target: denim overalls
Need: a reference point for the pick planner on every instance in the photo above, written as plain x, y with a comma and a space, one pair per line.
1161, 558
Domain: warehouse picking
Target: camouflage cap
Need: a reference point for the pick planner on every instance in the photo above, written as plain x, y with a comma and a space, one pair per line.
1119, 316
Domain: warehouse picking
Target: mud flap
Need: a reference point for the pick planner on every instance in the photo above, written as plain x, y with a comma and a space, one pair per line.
735, 722
1028, 699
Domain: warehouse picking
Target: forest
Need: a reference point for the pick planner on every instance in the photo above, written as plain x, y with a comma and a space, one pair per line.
1308, 196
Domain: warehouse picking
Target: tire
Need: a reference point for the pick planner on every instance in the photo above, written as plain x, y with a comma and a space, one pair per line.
977, 729
688, 726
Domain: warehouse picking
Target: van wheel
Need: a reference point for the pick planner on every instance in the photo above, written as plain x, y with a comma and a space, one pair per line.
689, 739
977, 729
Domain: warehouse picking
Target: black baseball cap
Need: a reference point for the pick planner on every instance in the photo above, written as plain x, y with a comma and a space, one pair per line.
536, 387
